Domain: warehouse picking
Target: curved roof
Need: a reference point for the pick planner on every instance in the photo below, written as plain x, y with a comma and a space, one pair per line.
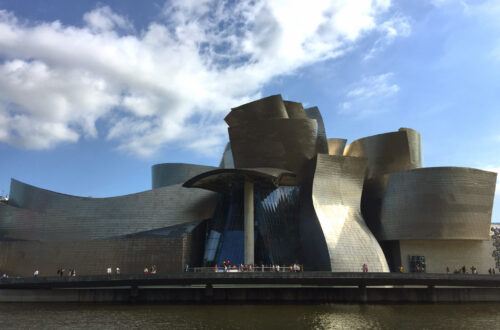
226, 179
38, 214
388, 152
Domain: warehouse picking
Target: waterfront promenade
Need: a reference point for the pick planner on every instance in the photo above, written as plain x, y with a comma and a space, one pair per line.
255, 287
254, 278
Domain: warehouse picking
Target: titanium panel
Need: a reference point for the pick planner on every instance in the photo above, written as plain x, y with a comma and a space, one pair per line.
388, 152
168, 174
267, 108
227, 160
92, 257
322, 143
336, 196
295, 110
278, 143
438, 203
336, 146
38, 214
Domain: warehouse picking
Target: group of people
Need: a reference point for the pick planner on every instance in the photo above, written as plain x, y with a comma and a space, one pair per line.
463, 270
109, 271
151, 270
226, 266
60, 272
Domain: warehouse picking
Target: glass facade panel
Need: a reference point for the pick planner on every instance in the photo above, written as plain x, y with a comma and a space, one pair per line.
276, 227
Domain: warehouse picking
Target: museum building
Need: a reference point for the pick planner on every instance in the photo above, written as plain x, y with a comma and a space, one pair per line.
283, 193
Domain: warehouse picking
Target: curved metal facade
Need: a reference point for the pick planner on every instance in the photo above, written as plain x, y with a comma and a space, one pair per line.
276, 143
389, 152
57, 216
336, 196
295, 110
336, 146
322, 143
271, 107
168, 174
169, 252
438, 203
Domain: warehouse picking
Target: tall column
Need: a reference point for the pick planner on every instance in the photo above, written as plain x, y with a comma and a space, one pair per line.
249, 222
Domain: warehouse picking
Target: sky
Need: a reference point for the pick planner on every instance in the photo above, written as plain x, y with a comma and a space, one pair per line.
92, 94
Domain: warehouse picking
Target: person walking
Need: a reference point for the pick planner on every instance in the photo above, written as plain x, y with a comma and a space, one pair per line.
35, 274
117, 271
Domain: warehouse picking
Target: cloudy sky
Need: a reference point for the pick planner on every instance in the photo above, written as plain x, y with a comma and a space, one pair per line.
94, 93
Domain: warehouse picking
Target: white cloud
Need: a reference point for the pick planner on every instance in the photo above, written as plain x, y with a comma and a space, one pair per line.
172, 82
104, 19
365, 97
396, 26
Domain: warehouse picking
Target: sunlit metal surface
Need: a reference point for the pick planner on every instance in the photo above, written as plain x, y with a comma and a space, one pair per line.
64, 217
438, 203
267, 108
322, 143
388, 152
336, 146
336, 196
277, 143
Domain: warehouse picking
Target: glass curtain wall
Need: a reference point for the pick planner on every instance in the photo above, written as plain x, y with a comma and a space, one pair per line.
276, 228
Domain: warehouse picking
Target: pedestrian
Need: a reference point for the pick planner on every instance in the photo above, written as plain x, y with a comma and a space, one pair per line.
4, 275
35, 274
117, 271
186, 268
74, 273
109, 271
153, 269
146, 271
401, 269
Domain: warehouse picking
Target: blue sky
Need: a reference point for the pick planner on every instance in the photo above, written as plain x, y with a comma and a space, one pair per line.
94, 93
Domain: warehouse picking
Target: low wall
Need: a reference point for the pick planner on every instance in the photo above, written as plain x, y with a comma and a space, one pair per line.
256, 295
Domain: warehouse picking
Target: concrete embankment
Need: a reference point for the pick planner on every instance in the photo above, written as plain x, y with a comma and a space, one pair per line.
317, 287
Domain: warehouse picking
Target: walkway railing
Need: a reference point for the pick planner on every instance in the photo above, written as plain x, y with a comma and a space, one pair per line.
240, 269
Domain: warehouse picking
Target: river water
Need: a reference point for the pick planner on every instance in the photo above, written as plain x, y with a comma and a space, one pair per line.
326, 316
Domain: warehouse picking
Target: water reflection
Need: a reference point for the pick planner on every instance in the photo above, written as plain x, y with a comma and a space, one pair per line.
329, 316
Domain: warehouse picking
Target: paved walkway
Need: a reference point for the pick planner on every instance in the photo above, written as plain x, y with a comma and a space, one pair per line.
255, 278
